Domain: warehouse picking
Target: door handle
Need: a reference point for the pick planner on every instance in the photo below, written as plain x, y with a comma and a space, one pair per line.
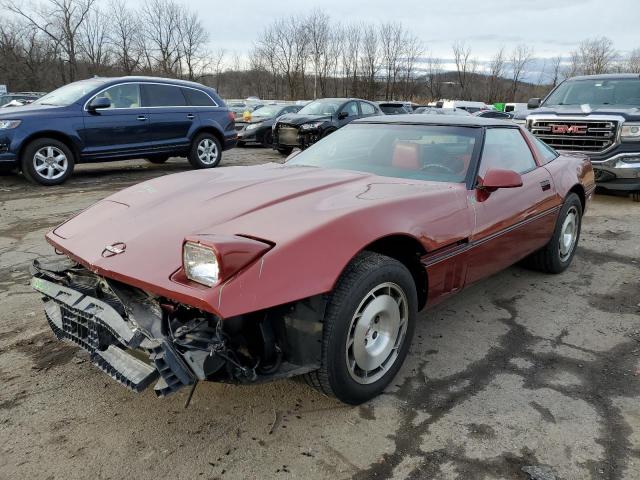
545, 185
142, 118
191, 116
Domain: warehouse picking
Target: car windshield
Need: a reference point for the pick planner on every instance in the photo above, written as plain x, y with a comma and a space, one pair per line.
69, 94
419, 152
621, 92
268, 111
320, 107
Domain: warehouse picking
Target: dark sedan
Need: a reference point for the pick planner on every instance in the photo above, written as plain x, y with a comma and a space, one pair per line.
259, 128
318, 119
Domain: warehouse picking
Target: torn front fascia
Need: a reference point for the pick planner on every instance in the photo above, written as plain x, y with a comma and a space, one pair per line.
109, 319
102, 327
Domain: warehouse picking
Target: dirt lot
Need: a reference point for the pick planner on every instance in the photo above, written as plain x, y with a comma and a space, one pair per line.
520, 370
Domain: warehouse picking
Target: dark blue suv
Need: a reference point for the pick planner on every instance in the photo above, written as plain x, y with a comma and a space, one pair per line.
105, 119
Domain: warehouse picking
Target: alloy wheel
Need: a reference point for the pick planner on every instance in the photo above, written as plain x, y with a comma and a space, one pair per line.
50, 162
207, 151
376, 333
569, 234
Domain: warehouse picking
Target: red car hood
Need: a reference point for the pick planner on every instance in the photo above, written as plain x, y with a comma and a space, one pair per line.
271, 202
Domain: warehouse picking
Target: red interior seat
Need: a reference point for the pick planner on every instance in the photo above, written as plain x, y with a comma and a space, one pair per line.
406, 155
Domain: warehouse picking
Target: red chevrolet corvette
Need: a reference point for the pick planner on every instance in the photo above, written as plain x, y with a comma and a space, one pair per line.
317, 267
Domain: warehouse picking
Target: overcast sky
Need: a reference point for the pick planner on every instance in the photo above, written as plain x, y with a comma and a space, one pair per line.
551, 27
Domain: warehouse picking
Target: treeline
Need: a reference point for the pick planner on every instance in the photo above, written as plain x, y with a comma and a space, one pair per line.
47, 43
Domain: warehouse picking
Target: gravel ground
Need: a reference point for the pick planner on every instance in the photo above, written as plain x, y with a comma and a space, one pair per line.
521, 370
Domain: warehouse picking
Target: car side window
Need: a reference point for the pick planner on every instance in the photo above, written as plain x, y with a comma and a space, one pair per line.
158, 95
367, 108
197, 98
351, 109
506, 149
548, 154
126, 95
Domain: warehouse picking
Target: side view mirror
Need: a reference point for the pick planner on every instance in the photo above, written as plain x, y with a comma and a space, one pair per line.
533, 103
342, 115
99, 103
496, 178
293, 154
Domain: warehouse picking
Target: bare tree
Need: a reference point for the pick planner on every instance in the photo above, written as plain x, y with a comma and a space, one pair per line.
161, 21
193, 40
519, 61
496, 72
93, 41
556, 64
370, 59
350, 59
59, 20
597, 55
391, 40
318, 29
412, 51
433, 77
125, 37
633, 62
465, 66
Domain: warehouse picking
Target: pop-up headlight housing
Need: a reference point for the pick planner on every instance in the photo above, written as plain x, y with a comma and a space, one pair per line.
212, 259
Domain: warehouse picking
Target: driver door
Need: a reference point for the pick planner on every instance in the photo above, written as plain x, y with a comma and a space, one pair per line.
121, 129
510, 222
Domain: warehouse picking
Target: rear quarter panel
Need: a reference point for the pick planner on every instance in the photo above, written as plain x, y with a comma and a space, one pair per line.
569, 170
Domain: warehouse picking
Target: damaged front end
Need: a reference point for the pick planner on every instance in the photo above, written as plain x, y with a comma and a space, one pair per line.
139, 339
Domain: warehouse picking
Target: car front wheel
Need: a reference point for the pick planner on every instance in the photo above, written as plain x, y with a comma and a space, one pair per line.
205, 152
47, 161
368, 325
557, 255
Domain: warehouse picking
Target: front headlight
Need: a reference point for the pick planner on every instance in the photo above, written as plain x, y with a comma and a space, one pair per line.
253, 126
630, 132
310, 126
9, 124
200, 264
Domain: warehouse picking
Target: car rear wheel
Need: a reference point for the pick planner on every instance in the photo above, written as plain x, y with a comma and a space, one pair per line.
47, 161
157, 160
205, 152
367, 330
557, 255
285, 150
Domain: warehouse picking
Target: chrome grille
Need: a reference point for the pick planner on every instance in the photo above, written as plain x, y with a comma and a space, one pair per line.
588, 136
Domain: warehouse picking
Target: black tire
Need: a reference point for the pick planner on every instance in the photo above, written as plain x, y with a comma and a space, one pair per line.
285, 150
328, 132
204, 140
267, 139
240, 144
157, 160
549, 258
58, 171
366, 272
635, 196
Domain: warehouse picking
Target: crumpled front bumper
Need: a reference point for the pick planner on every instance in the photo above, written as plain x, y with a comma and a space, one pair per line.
117, 345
